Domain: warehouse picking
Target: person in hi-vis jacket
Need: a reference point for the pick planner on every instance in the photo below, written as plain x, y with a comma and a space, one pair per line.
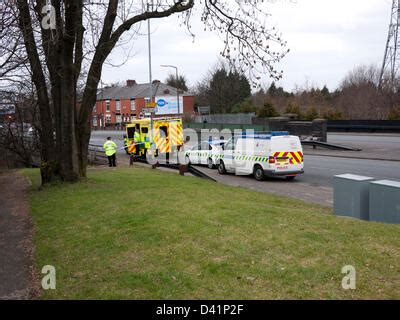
110, 148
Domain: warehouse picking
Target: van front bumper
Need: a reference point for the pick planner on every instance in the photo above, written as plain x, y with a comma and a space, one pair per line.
270, 173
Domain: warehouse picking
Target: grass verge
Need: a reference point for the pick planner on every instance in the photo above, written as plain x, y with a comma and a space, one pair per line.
145, 234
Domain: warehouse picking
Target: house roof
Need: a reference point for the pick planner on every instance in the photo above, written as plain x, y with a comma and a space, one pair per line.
139, 90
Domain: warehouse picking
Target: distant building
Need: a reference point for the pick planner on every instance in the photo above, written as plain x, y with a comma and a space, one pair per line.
118, 105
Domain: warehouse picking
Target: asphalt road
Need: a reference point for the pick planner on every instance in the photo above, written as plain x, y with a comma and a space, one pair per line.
319, 170
371, 143
390, 140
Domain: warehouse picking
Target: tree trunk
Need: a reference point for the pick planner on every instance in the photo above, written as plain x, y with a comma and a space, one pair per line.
48, 167
68, 156
82, 139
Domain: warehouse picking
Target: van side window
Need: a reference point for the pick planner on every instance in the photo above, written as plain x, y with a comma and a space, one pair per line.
229, 145
145, 130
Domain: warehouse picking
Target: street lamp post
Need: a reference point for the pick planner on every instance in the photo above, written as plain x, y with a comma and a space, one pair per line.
176, 77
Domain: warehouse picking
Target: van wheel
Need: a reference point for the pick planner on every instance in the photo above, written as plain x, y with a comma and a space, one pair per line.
210, 163
258, 173
221, 168
290, 178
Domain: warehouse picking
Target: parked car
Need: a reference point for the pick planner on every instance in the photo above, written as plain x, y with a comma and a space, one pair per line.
205, 153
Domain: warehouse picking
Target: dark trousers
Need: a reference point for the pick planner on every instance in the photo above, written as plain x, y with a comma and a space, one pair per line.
111, 161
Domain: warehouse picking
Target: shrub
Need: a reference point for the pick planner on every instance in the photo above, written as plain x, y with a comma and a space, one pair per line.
394, 114
294, 109
311, 113
267, 111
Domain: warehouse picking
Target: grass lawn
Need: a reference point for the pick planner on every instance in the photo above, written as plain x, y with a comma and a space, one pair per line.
146, 234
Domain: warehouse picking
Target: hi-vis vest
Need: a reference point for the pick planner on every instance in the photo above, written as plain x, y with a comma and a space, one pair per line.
110, 148
136, 137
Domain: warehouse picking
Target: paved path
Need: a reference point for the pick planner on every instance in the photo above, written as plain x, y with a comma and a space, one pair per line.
16, 247
297, 189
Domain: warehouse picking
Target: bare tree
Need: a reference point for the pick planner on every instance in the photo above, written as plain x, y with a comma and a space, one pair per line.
72, 40
18, 134
12, 52
360, 97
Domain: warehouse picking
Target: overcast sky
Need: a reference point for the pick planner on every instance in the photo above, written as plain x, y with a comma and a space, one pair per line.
327, 38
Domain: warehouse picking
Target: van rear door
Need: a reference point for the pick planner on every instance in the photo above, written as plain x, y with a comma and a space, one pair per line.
288, 154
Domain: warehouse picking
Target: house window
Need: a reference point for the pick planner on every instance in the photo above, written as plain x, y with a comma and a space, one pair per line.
94, 122
119, 118
118, 105
107, 105
133, 118
133, 105
108, 118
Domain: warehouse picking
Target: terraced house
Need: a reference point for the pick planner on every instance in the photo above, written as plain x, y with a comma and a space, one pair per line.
118, 105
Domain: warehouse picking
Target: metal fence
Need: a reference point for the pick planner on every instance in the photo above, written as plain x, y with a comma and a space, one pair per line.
388, 126
96, 155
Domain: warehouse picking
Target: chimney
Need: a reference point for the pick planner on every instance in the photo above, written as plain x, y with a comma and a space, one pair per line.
130, 83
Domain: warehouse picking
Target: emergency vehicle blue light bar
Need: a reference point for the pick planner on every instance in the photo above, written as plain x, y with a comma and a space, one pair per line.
279, 133
263, 135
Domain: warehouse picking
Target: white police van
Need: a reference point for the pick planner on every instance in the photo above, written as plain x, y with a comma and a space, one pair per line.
275, 154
